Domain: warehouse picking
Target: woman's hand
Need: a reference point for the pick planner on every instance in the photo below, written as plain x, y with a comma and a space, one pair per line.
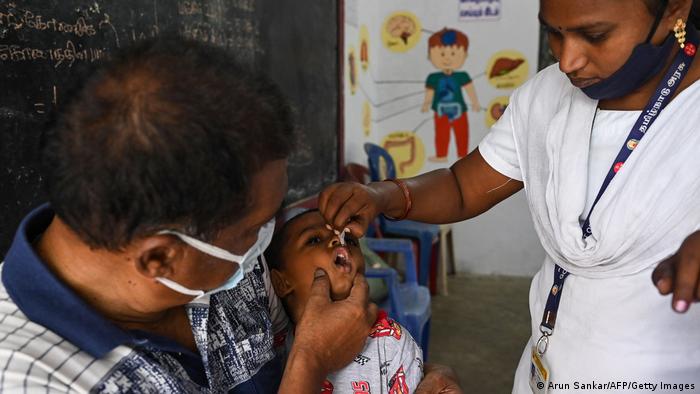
351, 205
680, 274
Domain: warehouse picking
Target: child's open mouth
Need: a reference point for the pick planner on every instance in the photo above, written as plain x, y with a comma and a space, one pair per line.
342, 259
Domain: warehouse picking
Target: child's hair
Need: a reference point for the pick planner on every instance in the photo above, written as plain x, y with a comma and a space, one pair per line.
273, 254
448, 37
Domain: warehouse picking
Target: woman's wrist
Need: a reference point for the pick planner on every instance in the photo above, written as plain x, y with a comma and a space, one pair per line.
408, 203
390, 198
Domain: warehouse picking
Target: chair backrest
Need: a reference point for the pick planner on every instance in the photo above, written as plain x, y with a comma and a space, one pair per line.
353, 172
375, 155
401, 246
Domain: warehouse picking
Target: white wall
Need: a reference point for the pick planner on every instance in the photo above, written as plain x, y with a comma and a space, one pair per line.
501, 241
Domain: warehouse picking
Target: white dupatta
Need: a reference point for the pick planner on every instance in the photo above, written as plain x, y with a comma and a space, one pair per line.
649, 208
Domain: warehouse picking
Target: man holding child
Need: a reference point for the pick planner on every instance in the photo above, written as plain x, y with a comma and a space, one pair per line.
144, 272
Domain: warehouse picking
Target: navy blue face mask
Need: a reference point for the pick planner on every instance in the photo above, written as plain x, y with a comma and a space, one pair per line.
646, 61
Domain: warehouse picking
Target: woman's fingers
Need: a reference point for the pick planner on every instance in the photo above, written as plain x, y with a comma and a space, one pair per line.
347, 205
332, 200
680, 274
664, 274
686, 280
353, 210
357, 227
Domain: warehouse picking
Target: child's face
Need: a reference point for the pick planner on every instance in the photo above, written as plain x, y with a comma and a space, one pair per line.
448, 58
308, 245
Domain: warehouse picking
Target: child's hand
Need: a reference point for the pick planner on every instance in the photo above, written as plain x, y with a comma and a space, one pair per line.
679, 274
476, 107
425, 108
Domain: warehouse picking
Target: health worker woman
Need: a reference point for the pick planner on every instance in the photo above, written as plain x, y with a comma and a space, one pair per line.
606, 144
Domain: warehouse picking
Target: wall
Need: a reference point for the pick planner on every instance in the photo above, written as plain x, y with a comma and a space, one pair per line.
383, 102
47, 48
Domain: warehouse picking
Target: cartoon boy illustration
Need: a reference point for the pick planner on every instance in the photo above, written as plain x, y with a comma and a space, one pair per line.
447, 51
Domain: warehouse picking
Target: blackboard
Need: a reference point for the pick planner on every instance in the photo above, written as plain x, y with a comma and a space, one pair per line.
47, 46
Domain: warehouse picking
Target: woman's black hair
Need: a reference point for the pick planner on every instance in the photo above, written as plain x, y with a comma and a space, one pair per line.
655, 5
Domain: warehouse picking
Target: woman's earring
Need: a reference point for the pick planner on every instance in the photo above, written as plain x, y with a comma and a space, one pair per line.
679, 30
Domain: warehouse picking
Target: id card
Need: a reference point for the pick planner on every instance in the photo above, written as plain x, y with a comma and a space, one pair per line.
539, 373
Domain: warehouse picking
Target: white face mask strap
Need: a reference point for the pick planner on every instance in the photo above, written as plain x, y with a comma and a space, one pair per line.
265, 236
204, 247
180, 288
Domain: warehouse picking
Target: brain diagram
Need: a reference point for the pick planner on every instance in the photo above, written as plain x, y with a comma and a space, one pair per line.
401, 31
401, 26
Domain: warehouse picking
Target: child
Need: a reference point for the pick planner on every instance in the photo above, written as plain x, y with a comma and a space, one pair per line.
447, 50
391, 361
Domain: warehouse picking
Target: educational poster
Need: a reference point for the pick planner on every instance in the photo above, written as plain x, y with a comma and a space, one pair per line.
447, 51
401, 31
407, 150
508, 69
479, 10
495, 109
426, 80
352, 70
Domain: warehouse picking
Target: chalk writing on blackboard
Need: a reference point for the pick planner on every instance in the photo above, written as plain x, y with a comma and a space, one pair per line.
48, 46
57, 56
212, 22
17, 19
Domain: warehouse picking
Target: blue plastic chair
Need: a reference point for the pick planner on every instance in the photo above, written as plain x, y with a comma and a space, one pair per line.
426, 234
408, 302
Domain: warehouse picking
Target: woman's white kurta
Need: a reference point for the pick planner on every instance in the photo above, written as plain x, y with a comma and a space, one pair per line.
612, 324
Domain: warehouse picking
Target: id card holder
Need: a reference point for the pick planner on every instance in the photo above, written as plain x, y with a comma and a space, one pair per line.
539, 373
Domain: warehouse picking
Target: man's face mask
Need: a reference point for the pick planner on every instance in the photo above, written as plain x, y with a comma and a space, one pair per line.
246, 262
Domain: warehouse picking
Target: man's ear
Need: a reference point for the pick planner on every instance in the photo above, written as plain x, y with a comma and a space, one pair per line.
157, 256
280, 283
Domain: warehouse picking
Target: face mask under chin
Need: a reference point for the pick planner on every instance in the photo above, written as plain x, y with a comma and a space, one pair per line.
645, 62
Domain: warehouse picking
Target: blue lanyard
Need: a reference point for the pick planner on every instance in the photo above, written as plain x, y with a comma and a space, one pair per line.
663, 94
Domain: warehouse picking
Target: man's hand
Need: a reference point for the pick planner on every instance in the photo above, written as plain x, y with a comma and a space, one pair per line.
329, 335
680, 274
439, 379
335, 332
